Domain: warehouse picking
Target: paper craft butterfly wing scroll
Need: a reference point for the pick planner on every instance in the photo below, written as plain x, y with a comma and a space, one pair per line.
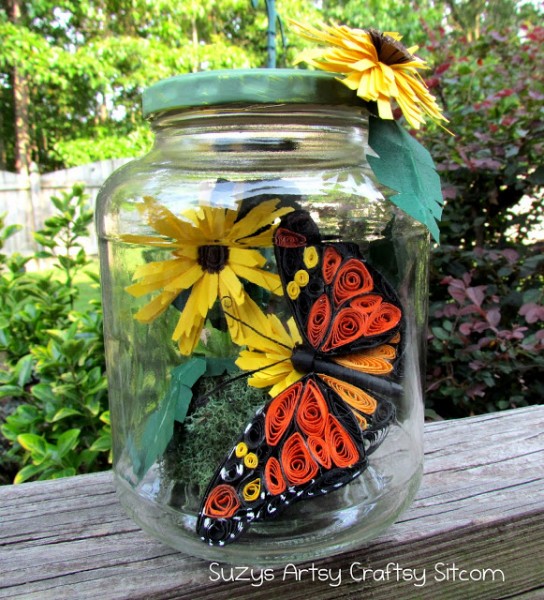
302, 444
316, 435
341, 304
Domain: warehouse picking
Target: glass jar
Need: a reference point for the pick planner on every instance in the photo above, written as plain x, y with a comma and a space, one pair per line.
252, 260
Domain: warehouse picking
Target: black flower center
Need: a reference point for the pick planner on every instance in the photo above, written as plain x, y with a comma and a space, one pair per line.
390, 51
213, 258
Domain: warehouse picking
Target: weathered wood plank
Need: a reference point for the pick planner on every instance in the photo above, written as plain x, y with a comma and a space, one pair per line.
480, 508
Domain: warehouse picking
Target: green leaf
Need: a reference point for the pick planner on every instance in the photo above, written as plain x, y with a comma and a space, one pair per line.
67, 441
159, 427
23, 370
93, 406
11, 391
63, 413
217, 366
182, 380
102, 444
44, 393
44, 241
440, 333
27, 472
9, 231
406, 167
537, 177
68, 472
33, 443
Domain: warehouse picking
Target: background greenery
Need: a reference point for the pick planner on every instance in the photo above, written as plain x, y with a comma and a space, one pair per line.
71, 77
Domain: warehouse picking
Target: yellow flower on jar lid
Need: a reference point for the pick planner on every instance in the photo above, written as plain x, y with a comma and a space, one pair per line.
376, 66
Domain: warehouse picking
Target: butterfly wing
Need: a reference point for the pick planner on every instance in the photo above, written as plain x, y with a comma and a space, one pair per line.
341, 304
304, 443
350, 318
315, 436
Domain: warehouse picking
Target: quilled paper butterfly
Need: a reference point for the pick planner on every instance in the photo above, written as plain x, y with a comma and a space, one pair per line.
316, 435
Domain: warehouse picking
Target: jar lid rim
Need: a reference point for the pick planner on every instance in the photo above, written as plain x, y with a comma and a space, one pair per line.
247, 86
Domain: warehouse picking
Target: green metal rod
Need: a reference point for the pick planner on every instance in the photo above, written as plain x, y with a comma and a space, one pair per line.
271, 33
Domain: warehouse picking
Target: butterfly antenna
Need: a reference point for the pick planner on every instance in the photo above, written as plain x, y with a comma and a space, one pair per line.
244, 375
265, 337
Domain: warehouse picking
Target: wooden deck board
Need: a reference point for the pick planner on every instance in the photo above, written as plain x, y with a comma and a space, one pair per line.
480, 506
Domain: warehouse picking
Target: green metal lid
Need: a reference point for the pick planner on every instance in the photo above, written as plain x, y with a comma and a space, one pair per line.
246, 86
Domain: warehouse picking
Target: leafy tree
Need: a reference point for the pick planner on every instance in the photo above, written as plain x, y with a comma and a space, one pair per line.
387, 15
85, 65
493, 98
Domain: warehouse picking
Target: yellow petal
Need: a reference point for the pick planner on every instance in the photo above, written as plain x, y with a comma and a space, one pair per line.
205, 292
353, 80
231, 284
285, 383
158, 280
245, 319
262, 215
363, 65
384, 109
264, 279
246, 257
160, 267
166, 223
189, 341
189, 326
155, 308
186, 279
149, 240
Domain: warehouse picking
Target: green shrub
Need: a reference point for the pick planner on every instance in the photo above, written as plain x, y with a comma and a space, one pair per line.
486, 337
54, 369
487, 304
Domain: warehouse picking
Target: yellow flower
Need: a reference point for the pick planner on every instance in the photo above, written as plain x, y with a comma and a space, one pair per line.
212, 248
269, 356
376, 65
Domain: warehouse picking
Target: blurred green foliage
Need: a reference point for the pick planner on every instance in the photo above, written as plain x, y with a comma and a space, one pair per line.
53, 368
487, 277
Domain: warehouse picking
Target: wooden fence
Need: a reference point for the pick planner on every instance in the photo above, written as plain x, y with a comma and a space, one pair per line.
27, 200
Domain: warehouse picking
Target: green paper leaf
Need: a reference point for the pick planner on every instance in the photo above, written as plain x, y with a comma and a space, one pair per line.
159, 427
156, 435
183, 379
218, 366
406, 167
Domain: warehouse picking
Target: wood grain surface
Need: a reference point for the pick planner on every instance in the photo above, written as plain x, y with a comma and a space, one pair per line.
480, 510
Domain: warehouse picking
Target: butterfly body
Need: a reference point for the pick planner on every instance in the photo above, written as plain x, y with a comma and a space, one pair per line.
316, 435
